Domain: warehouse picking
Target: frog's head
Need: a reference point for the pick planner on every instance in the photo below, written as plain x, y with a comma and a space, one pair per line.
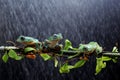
83, 48
56, 37
21, 39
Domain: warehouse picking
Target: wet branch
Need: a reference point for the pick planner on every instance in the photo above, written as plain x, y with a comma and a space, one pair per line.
111, 54
8, 47
65, 52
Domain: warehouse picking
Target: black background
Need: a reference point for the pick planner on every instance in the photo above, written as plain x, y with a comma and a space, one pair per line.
78, 20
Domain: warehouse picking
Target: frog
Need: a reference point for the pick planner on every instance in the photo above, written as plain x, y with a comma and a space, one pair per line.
53, 40
88, 49
29, 41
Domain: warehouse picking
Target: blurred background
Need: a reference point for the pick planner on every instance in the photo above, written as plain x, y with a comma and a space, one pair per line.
78, 20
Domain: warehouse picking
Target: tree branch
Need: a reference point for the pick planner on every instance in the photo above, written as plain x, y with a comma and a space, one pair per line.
8, 47
65, 52
111, 54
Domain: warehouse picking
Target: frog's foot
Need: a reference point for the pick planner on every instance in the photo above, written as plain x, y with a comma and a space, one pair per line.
84, 58
47, 41
45, 50
57, 48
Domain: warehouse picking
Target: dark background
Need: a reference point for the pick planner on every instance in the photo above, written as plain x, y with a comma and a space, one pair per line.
78, 20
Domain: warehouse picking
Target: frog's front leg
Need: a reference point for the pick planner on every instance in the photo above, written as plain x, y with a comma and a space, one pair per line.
45, 48
37, 46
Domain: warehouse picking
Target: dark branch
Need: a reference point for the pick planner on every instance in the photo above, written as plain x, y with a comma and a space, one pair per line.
65, 52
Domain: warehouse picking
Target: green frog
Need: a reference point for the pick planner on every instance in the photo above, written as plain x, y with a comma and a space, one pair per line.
87, 49
53, 40
29, 41
90, 48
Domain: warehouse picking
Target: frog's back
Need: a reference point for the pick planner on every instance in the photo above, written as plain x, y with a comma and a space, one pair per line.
26, 39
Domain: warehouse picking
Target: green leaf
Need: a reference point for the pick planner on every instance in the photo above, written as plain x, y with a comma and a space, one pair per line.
64, 68
5, 57
68, 44
12, 54
28, 49
103, 64
56, 62
114, 60
98, 69
115, 49
77, 54
70, 67
79, 63
100, 61
100, 64
45, 56
106, 58
18, 57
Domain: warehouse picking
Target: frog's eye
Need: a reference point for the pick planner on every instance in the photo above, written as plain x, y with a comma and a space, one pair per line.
85, 48
55, 37
22, 38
